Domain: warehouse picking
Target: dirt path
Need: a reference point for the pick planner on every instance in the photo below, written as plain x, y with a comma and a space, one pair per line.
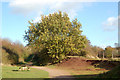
55, 73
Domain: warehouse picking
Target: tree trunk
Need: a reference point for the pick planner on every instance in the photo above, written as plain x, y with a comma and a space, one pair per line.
103, 55
112, 55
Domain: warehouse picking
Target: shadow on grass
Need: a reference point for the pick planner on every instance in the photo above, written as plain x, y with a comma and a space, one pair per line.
15, 70
84, 77
60, 79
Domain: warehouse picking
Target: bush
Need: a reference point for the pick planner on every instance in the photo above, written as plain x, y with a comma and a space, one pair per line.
12, 53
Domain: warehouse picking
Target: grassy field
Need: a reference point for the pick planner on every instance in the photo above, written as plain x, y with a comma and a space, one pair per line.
11, 72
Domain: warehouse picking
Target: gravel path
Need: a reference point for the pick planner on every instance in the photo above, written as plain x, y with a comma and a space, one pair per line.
55, 73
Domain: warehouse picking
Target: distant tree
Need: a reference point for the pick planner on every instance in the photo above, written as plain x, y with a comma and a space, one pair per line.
57, 35
98, 51
109, 52
93, 51
13, 52
117, 47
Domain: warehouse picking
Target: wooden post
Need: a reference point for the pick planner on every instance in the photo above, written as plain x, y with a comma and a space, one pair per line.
112, 54
97, 54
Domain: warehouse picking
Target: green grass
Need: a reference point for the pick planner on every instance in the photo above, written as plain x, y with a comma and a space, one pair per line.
114, 73
87, 74
7, 72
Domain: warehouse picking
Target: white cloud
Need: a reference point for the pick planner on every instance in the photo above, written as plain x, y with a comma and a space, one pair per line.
70, 8
110, 24
103, 46
27, 7
37, 19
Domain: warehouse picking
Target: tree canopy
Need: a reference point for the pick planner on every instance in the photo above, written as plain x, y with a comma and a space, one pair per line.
57, 35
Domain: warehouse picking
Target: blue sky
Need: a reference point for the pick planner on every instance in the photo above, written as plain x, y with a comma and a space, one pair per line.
98, 19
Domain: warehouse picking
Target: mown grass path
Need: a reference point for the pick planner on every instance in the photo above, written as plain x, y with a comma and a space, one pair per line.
55, 73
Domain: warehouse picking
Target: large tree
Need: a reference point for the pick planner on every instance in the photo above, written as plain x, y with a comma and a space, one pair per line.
57, 35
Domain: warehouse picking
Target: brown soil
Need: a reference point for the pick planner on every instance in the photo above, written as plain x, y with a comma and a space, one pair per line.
75, 63
80, 63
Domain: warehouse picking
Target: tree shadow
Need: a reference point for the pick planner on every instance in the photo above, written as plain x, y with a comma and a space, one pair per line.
15, 70
84, 77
